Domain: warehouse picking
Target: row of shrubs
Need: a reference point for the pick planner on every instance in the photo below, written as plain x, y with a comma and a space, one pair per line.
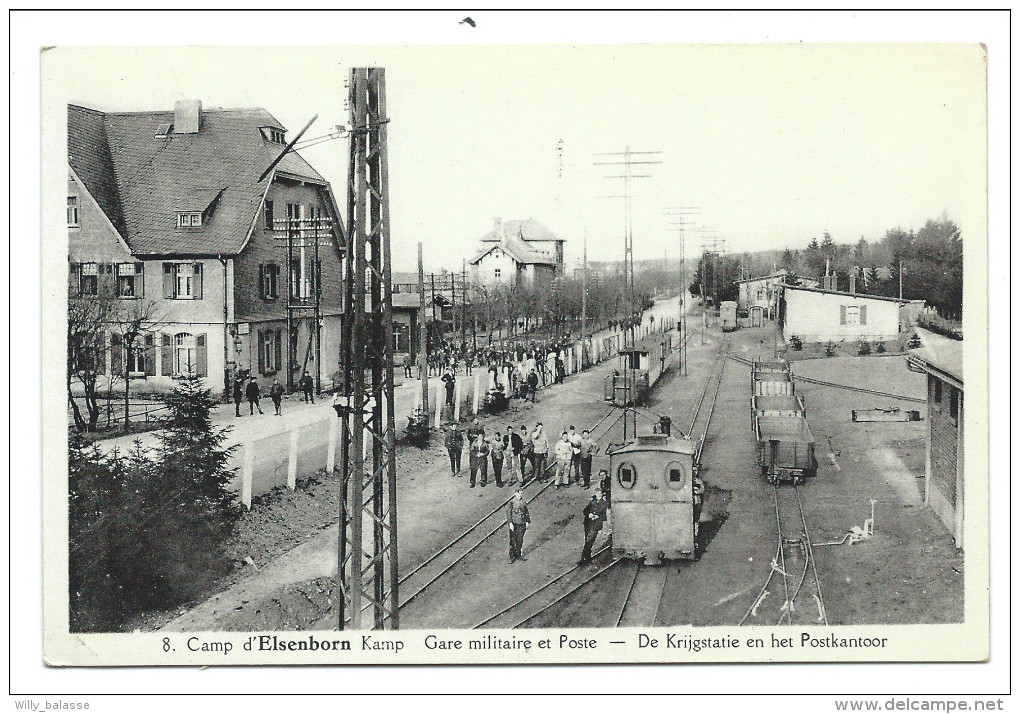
864, 348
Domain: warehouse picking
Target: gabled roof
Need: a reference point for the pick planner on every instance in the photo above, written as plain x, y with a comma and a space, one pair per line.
528, 229
940, 356
861, 296
141, 182
515, 243
778, 274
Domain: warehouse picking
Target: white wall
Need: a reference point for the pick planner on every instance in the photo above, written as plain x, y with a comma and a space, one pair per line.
815, 317
497, 258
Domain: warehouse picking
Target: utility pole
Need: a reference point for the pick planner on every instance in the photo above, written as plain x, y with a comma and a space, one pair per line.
681, 213
423, 368
368, 569
584, 294
900, 271
627, 163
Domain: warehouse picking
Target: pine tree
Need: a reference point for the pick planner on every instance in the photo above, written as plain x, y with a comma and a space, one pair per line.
191, 447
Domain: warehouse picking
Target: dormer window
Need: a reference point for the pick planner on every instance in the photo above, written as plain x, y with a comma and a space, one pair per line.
189, 219
271, 133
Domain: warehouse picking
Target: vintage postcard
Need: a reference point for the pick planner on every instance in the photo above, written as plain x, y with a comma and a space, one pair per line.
515, 354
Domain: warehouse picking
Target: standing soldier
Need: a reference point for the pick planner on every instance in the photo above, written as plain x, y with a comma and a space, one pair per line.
575, 455
253, 394
533, 385
238, 394
450, 381
496, 454
512, 446
306, 384
540, 452
276, 394
408, 364
527, 451
563, 451
588, 449
517, 519
698, 497
594, 517
454, 442
474, 430
478, 459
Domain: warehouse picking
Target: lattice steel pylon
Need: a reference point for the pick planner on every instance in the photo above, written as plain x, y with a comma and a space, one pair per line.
368, 567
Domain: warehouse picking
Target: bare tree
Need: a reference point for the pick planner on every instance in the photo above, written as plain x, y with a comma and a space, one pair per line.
130, 321
87, 320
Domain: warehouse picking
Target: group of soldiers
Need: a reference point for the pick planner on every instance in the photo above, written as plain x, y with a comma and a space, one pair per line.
247, 388
516, 452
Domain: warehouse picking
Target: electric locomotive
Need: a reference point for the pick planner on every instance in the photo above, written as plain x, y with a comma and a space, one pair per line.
656, 496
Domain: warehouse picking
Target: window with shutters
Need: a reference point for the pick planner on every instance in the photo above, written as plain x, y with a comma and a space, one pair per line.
129, 280
269, 280
72, 212
853, 315
936, 390
269, 351
88, 281
182, 281
267, 213
497, 272
185, 355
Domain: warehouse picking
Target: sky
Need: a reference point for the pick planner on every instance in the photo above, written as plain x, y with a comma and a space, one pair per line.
767, 145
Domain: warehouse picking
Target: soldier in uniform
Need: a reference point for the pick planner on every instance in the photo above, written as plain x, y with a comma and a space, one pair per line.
594, 517
478, 459
517, 519
454, 442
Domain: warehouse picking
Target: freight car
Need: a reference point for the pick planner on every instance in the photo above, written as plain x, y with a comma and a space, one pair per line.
786, 448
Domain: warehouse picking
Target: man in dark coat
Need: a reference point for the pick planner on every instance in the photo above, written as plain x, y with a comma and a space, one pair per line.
517, 519
533, 386
252, 393
276, 394
306, 384
451, 382
454, 442
238, 394
594, 517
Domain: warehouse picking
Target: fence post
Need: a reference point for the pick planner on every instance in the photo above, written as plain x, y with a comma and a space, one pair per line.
246, 473
477, 387
458, 390
439, 406
331, 448
292, 459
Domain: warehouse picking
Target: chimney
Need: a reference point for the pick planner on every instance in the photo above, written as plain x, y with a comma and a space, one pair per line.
853, 284
187, 114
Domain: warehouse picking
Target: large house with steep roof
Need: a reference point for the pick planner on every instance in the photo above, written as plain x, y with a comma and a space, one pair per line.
167, 207
518, 252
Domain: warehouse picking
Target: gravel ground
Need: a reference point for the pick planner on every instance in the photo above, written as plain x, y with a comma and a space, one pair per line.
909, 572
298, 591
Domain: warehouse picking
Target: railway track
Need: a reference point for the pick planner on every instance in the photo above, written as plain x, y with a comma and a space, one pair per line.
642, 586
834, 385
793, 577
430, 571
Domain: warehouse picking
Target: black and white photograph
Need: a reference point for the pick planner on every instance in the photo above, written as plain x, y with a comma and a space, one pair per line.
551, 353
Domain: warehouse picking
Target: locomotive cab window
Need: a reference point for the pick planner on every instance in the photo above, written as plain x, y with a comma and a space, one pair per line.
626, 476
676, 476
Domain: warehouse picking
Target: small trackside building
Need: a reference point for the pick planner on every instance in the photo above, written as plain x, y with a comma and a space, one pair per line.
819, 315
942, 360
